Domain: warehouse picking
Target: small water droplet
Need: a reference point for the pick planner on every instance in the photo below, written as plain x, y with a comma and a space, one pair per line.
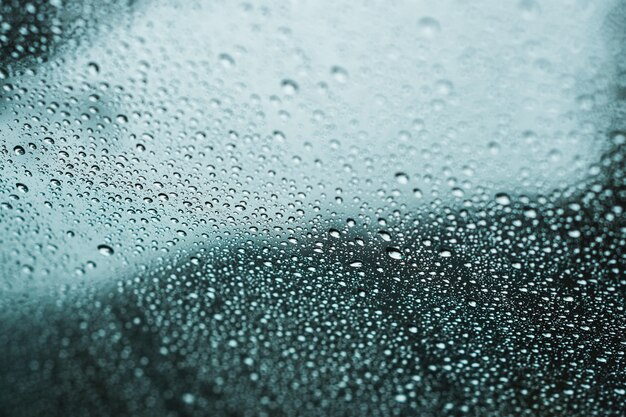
402, 178
530, 212
105, 250
503, 199
93, 68
188, 398
385, 235
574, 233
356, 264
401, 398
394, 253
289, 87
530, 9
339, 74
279, 136
428, 27
226, 61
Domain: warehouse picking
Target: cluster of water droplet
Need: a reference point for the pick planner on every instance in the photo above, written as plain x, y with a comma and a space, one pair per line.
286, 214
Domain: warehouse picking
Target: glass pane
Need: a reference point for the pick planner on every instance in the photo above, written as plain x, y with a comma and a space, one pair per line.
312, 208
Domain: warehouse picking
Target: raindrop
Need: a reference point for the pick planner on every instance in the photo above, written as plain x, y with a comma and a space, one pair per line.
394, 253
105, 250
428, 27
530, 212
339, 74
401, 398
93, 68
503, 199
188, 398
289, 87
574, 233
226, 60
402, 178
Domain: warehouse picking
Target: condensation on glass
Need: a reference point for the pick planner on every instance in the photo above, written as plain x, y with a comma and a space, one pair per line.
312, 208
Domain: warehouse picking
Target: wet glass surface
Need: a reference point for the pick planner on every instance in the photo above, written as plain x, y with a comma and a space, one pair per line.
312, 208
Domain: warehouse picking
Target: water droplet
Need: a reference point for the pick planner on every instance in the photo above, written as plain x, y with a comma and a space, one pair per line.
289, 87
494, 147
530, 9
574, 233
428, 27
401, 398
105, 250
503, 199
279, 136
226, 60
530, 212
19, 150
394, 253
385, 235
339, 74
93, 68
188, 398
402, 178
